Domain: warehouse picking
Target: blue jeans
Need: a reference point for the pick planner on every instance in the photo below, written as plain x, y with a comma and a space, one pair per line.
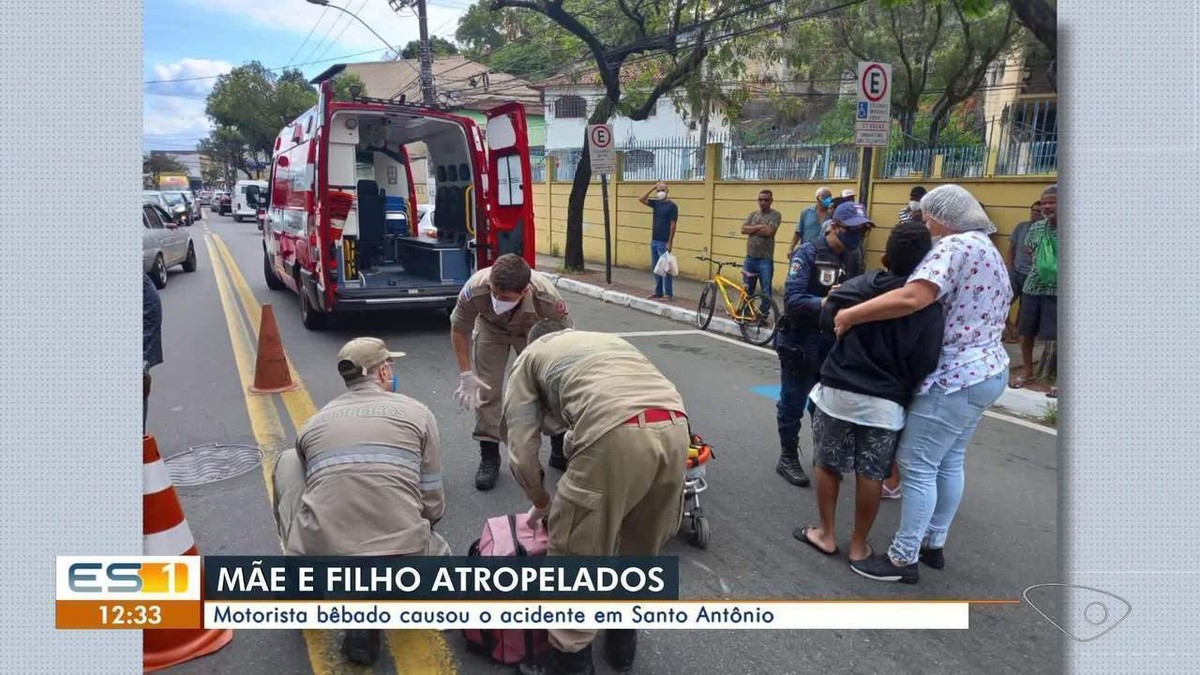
755, 270
931, 456
662, 284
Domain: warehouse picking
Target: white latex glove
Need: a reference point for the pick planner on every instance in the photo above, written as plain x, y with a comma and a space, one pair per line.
537, 515
470, 390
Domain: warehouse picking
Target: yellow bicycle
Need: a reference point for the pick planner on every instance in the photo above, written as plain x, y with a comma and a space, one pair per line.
756, 315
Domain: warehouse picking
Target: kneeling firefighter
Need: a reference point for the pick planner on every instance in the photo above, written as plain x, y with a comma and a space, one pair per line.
622, 493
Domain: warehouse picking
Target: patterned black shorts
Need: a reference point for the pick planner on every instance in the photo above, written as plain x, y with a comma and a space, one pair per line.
846, 447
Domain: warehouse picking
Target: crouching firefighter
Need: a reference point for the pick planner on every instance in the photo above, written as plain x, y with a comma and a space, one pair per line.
493, 315
816, 267
365, 476
626, 447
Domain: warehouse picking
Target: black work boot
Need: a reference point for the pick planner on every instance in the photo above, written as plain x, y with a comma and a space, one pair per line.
789, 467
620, 646
361, 645
554, 662
557, 459
489, 465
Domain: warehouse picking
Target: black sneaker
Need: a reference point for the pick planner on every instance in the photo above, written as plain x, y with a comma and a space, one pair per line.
557, 459
620, 648
789, 467
880, 568
554, 662
489, 465
933, 557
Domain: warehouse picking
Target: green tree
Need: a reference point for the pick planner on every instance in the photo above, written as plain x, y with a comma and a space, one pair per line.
939, 54
664, 39
158, 163
1040, 17
257, 104
524, 44
437, 45
227, 149
342, 84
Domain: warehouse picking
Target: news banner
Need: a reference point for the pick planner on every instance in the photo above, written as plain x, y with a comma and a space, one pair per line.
442, 593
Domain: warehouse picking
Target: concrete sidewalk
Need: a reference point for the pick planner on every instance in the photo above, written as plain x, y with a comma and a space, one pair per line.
631, 288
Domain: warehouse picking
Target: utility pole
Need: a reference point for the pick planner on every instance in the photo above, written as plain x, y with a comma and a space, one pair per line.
428, 96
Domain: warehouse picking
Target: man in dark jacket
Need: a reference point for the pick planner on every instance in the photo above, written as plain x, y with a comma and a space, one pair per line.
815, 268
151, 339
867, 381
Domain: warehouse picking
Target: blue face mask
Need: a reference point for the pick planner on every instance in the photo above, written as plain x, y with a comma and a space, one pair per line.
850, 238
395, 381
827, 202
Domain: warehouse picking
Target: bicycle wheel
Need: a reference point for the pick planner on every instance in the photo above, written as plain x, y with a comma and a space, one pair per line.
708, 304
761, 330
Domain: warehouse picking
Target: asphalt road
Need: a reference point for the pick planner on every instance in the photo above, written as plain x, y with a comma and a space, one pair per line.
1004, 540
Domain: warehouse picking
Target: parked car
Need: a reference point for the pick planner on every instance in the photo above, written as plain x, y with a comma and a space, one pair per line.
192, 204
204, 197
164, 245
215, 201
170, 202
225, 205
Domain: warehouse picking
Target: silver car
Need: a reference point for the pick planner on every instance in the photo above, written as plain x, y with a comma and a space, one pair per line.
164, 244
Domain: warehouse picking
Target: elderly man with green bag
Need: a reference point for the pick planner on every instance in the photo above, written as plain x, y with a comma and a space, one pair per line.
1038, 316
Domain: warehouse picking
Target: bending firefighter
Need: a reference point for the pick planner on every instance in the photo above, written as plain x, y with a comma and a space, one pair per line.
626, 452
495, 310
365, 476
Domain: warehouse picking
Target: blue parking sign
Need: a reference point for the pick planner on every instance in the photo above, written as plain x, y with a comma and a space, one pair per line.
862, 110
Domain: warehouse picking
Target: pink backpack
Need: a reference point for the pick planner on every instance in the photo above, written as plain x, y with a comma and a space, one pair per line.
509, 535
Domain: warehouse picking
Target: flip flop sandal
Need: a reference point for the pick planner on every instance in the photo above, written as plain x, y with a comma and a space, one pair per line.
889, 493
1018, 383
1053, 393
801, 533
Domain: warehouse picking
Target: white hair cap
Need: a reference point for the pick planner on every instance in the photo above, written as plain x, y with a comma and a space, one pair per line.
954, 207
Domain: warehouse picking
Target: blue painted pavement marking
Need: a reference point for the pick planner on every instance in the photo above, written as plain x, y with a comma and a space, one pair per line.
770, 391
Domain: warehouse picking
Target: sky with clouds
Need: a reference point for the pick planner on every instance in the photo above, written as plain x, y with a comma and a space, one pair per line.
188, 43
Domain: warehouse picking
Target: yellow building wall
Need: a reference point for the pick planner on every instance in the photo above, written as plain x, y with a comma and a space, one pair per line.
712, 211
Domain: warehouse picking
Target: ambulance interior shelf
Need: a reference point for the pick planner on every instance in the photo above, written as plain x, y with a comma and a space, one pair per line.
385, 252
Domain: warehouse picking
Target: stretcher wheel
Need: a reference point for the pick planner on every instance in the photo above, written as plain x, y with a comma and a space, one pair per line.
699, 532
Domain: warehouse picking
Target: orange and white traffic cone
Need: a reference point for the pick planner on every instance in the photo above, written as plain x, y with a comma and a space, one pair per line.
166, 533
271, 372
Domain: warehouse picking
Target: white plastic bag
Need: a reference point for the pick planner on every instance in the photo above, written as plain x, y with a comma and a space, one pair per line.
667, 265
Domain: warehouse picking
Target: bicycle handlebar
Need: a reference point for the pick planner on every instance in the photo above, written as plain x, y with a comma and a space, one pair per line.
719, 263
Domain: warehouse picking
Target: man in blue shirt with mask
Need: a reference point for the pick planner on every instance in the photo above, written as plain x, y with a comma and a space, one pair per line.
816, 267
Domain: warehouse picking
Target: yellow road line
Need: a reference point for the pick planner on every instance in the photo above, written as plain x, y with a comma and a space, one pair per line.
418, 652
268, 432
299, 404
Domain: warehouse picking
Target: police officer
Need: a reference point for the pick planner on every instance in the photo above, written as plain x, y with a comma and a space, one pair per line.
495, 310
627, 454
815, 268
365, 478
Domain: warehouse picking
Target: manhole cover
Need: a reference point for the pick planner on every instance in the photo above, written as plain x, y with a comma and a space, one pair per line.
205, 464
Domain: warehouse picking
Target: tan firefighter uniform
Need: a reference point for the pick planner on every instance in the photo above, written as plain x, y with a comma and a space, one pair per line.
624, 477
364, 479
492, 336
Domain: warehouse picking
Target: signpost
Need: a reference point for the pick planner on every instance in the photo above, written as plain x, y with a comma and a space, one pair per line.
603, 155
873, 118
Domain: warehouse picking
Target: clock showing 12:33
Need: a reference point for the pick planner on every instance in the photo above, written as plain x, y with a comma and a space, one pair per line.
130, 615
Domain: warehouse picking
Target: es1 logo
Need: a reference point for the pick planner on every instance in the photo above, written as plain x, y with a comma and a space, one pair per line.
127, 577
1081, 613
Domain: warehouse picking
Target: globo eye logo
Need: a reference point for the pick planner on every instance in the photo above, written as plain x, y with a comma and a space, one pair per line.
1081, 613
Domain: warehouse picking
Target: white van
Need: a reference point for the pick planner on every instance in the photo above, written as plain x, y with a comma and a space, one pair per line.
248, 197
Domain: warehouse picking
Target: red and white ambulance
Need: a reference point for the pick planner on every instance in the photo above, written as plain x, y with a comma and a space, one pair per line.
341, 227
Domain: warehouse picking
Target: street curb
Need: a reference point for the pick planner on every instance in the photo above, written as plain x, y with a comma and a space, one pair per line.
1019, 402
671, 312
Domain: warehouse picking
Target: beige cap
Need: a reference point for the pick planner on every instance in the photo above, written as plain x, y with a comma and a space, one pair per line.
362, 354
847, 193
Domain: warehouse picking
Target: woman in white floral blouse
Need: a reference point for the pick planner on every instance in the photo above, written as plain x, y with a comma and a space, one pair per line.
966, 273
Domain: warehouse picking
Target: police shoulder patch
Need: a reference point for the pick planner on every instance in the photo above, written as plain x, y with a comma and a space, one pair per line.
794, 270
465, 293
